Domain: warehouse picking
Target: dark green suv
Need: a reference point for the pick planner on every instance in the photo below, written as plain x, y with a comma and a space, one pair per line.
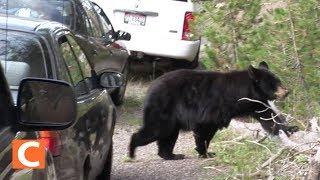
54, 87
91, 27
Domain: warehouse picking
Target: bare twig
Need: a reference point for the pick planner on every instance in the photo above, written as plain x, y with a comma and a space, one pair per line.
212, 167
259, 144
272, 158
262, 139
254, 100
270, 106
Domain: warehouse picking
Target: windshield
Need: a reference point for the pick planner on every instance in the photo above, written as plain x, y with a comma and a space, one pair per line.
21, 56
55, 10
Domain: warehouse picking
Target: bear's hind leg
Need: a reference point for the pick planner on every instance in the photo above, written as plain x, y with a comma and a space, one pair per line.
166, 146
141, 138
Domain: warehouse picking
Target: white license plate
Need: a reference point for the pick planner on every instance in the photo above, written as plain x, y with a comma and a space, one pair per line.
135, 19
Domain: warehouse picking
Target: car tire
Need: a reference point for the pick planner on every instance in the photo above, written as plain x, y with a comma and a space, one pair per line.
118, 94
107, 167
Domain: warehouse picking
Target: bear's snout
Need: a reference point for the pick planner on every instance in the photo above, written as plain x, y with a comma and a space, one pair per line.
282, 92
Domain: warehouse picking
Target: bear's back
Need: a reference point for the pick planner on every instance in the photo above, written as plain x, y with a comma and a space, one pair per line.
179, 85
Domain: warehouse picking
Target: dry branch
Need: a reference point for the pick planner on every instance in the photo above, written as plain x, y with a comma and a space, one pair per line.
303, 142
314, 170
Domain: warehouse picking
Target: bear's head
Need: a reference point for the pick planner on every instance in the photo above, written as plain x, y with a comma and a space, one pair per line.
268, 87
266, 83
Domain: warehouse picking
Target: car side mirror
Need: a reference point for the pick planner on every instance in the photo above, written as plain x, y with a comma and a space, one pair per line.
111, 80
45, 104
122, 35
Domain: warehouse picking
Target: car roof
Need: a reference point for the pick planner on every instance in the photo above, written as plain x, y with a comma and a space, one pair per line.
29, 24
42, 28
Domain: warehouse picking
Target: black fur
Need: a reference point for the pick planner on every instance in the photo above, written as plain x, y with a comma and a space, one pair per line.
203, 102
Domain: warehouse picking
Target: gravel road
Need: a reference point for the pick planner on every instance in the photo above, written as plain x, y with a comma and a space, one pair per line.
148, 165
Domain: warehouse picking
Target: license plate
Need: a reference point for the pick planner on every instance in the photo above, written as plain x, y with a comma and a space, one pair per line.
135, 19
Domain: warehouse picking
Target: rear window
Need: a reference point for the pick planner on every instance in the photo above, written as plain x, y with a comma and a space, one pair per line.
21, 56
55, 10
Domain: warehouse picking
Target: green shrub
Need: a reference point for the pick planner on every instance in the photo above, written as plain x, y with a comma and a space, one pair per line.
285, 35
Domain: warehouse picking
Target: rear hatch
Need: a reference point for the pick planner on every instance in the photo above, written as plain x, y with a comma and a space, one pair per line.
156, 19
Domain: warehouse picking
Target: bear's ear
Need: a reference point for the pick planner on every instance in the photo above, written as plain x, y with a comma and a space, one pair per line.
252, 72
263, 65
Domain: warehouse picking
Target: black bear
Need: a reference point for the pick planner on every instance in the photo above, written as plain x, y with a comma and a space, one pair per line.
204, 102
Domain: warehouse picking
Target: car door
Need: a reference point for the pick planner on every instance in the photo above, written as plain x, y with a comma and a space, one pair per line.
98, 52
120, 55
101, 111
16, 43
94, 127
8, 134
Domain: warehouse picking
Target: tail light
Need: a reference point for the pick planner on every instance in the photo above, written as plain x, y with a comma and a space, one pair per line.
116, 45
52, 141
186, 33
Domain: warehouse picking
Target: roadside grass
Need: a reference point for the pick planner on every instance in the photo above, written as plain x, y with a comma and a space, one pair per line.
132, 102
208, 60
133, 121
241, 157
132, 108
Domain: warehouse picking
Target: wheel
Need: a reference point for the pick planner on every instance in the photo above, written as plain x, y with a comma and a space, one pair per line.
106, 172
118, 94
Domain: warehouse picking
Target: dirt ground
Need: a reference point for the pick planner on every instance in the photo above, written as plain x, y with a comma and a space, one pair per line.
147, 164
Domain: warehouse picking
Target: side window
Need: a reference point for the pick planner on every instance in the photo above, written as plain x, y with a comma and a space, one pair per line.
73, 67
89, 29
82, 59
83, 23
93, 19
106, 24
63, 72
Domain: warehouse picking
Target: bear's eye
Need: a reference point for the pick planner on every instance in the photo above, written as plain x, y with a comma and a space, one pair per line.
273, 86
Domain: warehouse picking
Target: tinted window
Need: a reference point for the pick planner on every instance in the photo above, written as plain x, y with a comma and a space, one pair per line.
63, 72
72, 66
56, 10
71, 62
106, 24
82, 22
93, 19
83, 61
21, 55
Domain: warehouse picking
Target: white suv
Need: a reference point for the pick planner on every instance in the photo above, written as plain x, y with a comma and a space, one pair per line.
158, 28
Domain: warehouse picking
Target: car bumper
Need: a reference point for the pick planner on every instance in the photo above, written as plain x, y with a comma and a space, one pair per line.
176, 49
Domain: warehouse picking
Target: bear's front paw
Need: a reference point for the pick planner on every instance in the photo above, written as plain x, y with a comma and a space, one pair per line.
211, 154
203, 156
207, 155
